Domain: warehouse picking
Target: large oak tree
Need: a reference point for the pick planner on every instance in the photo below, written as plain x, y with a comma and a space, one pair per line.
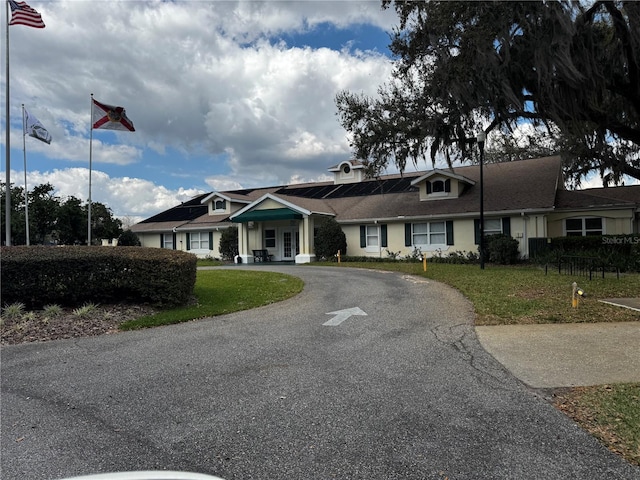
571, 70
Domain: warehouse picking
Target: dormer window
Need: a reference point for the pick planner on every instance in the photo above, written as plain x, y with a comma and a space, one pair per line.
220, 205
442, 185
438, 186
346, 169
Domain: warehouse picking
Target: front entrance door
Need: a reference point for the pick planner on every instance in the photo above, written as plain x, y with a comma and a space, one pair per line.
290, 244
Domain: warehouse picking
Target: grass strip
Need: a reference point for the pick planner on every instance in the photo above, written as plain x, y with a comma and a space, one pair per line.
610, 413
218, 292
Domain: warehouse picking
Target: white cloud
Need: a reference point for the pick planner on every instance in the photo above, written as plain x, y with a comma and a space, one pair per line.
203, 80
127, 197
224, 183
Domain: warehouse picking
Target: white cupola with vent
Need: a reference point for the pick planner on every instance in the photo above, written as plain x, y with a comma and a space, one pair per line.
349, 171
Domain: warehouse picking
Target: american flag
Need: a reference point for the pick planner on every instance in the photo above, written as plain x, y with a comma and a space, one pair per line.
23, 14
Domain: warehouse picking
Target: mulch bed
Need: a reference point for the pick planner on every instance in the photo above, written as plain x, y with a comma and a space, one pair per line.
35, 326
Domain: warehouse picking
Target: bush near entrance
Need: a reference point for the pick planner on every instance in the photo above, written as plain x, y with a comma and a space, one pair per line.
329, 240
229, 243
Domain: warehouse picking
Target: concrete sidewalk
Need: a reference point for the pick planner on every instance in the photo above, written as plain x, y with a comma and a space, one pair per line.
566, 355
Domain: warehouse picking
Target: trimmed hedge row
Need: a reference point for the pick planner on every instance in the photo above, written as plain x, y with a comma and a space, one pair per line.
615, 251
38, 276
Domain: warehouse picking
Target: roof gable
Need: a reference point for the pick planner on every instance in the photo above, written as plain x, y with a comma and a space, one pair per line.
265, 198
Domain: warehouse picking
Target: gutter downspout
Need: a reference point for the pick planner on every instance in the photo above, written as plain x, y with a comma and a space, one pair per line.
525, 239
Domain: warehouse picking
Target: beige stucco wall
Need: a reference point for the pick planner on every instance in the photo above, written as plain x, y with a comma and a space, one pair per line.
522, 228
463, 235
149, 240
152, 240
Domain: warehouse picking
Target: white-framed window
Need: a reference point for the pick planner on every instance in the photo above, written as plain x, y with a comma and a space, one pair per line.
270, 238
167, 241
219, 204
372, 237
432, 233
439, 187
580, 227
199, 241
492, 226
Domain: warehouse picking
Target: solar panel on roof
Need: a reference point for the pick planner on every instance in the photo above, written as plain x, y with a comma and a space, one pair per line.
372, 187
246, 191
180, 213
194, 201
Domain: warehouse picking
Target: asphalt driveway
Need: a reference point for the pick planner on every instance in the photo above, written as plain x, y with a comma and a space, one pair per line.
402, 390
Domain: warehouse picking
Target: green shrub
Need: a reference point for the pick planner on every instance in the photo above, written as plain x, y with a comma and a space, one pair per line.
38, 276
611, 251
229, 243
501, 249
457, 257
128, 239
329, 240
365, 259
415, 255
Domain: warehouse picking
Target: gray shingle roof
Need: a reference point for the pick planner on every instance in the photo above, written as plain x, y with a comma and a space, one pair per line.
603, 198
523, 185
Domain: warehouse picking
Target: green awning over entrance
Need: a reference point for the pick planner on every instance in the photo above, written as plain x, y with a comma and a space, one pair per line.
265, 215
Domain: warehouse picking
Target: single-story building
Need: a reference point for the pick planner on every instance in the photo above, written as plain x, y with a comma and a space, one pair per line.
435, 211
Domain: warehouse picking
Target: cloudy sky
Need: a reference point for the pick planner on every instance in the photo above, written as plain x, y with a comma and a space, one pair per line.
223, 94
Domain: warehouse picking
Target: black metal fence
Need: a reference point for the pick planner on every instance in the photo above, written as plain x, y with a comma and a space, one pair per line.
584, 266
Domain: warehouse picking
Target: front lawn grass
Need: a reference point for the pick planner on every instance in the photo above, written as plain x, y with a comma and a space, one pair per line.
611, 413
225, 291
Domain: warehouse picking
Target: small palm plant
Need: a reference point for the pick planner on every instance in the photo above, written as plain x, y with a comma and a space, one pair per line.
85, 310
51, 311
13, 310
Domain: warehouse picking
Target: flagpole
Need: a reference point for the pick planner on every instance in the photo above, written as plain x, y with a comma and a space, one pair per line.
26, 196
7, 143
90, 166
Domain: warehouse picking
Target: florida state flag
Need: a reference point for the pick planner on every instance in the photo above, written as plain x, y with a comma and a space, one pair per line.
107, 117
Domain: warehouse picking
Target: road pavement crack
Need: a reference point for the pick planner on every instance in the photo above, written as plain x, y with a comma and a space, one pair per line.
461, 337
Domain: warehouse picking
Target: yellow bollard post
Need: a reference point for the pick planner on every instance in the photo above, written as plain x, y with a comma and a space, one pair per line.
574, 295
338, 257
424, 263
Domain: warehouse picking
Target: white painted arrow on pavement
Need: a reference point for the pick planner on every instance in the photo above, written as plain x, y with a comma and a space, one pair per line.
342, 315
